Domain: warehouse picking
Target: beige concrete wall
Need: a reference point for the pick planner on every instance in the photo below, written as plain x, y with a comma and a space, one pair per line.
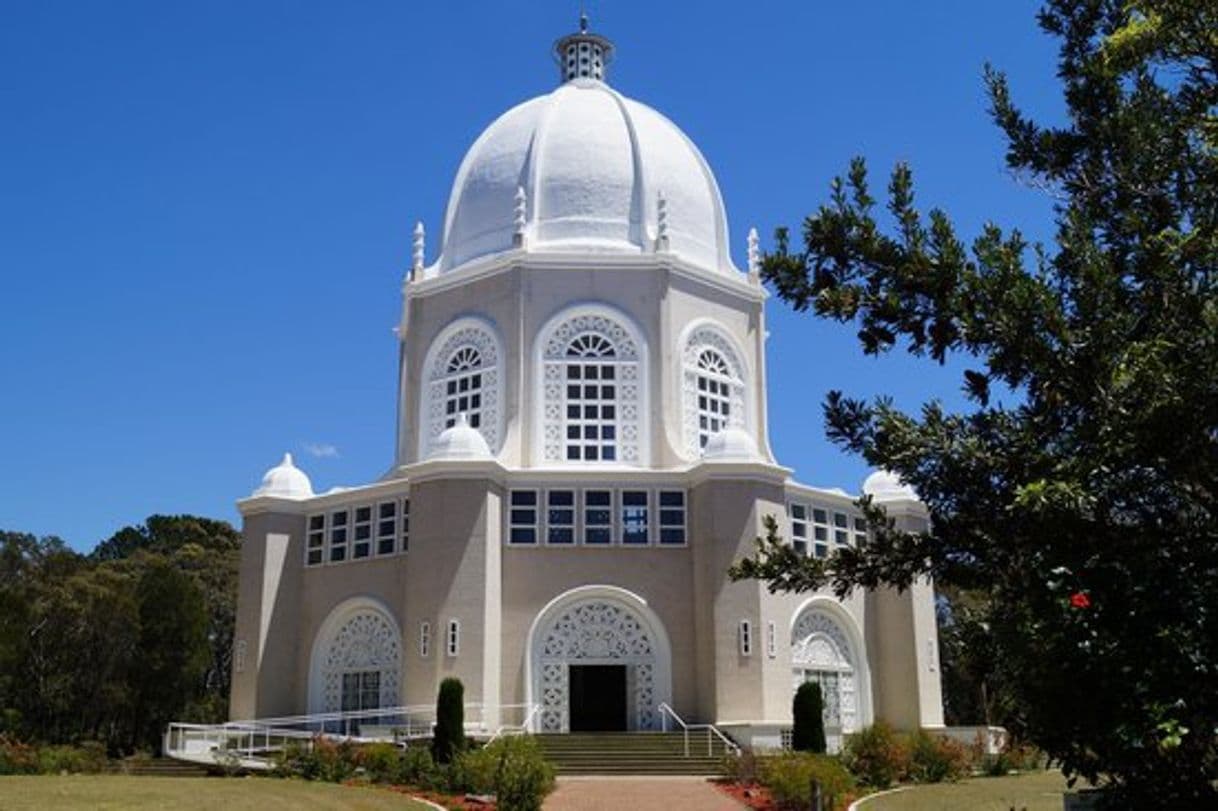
267, 621
902, 643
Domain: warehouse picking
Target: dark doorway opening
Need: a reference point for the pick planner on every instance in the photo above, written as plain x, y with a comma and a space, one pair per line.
598, 698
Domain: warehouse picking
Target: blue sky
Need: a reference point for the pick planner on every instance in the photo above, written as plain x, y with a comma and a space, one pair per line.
205, 210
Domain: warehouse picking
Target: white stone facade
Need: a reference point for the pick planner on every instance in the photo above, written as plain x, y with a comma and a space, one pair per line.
582, 450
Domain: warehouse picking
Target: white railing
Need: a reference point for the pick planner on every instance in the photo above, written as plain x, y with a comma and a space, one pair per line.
712, 731
253, 743
523, 728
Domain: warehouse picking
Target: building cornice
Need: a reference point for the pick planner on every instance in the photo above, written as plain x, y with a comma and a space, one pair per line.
732, 281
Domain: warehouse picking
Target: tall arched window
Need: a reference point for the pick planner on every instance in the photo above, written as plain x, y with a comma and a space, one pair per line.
592, 396
712, 387
463, 377
821, 653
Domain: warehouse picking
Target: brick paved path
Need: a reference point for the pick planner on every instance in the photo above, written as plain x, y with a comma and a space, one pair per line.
638, 794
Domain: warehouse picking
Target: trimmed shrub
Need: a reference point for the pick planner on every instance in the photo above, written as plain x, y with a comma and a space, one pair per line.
417, 768
523, 777
934, 758
381, 762
323, 759
789, 778
450, 721
876, 755
511, 768
808, 708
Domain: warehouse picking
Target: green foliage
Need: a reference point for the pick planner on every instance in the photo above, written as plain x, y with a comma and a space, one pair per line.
744, 768
935, 759
416, 768
808, 709
1076, 489
450, 721
381, 762
523, 778
111, 646
88, 758
512, 768
877, 755
789, 778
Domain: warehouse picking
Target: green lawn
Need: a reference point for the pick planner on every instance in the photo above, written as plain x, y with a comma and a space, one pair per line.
115, 792
1035, 792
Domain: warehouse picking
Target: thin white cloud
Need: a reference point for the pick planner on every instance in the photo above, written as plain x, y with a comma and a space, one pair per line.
321, 450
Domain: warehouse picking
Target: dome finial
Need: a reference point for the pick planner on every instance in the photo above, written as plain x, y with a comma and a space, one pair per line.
583, 55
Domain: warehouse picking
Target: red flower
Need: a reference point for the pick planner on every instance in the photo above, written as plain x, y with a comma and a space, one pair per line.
1079, 599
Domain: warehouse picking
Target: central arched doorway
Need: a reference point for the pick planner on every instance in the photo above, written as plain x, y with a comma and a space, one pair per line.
599, 660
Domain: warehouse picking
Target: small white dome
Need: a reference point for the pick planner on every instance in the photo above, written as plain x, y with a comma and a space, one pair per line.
592, 165
461, 441
730, 445
285, 480
884, 485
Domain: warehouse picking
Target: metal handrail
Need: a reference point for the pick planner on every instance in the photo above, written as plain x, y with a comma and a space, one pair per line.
253, 736
523, 728
711, 730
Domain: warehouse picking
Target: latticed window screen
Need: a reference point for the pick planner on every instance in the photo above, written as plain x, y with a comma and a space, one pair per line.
591, 399
463, 387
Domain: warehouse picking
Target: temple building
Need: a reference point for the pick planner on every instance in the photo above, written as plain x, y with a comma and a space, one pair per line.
582, 451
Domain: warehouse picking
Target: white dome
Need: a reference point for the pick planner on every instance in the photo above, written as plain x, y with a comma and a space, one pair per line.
730, 445
285, 480
460, 442
592, 165
884, 485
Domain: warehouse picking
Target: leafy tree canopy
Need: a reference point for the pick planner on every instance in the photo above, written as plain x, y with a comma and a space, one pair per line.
1078, 491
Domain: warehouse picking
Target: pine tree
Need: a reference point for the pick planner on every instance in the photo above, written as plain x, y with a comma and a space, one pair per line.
1078, 489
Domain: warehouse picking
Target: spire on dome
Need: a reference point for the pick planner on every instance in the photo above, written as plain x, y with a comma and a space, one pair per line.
583, 55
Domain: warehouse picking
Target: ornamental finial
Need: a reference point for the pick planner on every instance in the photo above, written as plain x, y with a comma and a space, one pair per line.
583, 55
661, 223
754, 256
521, 217
416, 264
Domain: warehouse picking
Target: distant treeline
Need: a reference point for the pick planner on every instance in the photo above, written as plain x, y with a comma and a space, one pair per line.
112, 645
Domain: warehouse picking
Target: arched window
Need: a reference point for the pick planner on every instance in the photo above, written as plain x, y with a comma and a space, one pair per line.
356, 660
463, 371
591, 391
463, 387
712, 387
821, 653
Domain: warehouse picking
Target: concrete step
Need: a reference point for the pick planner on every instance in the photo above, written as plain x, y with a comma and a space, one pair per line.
644, 753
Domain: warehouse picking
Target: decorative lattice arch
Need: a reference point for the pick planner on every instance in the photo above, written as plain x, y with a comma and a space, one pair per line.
819, 644
576, 338
471, 347
596, 631
704, 338
367, 640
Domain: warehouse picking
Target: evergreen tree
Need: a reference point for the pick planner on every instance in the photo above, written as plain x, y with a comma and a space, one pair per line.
1077, 491
808, 710
450, 721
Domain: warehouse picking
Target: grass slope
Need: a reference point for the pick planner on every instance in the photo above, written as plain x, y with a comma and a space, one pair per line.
114, 792
1035, 792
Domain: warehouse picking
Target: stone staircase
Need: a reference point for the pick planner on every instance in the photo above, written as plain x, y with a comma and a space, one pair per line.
635, 753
